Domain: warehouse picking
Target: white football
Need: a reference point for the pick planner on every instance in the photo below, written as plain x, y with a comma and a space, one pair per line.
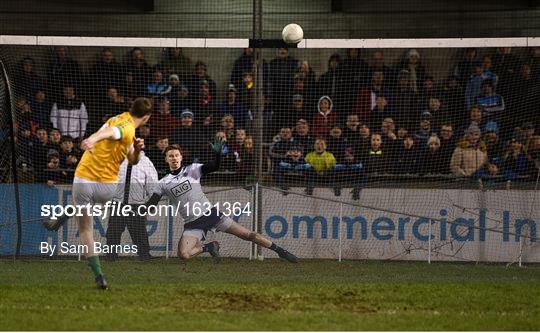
292, 33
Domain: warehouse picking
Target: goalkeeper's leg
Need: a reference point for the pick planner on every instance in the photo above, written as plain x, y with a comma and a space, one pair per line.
86, 236
190, 245
236, 229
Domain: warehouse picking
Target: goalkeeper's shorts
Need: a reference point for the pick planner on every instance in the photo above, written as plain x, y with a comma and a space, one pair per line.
201, 226
86, 191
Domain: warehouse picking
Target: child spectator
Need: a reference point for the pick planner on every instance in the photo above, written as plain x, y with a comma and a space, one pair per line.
69, 156
516, 163
375, 159
322, 162
292, 163
280, 148
433, 161
407, 157
53, 175
54, 139
325, 117
470, 154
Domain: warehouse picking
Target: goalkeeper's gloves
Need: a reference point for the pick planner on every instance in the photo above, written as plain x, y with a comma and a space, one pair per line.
217, 146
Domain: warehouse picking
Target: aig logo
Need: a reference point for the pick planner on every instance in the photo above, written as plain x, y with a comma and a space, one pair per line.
181, 188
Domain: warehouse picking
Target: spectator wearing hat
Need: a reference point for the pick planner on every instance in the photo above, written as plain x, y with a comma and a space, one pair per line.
329, 82
176, 62
175, 84
188, 136
411, 62
433, 161
425, 130
324, 118
470, 154
242, 117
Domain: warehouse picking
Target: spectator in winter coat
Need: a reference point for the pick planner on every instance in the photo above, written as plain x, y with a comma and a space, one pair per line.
325, 117
322, 162
470, 154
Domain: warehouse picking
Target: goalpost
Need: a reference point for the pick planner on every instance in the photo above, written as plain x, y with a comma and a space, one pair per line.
488, 217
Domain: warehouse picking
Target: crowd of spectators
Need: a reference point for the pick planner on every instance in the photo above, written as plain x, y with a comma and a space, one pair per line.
359, 118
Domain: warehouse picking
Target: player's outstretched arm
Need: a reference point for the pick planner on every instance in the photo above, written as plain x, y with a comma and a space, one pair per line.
212, 166
154, 200
105, 133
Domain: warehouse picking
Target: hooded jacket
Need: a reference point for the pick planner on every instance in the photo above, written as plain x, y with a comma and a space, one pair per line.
322, 122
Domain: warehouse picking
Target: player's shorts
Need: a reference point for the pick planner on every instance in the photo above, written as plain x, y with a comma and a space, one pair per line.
86, 191
201, 226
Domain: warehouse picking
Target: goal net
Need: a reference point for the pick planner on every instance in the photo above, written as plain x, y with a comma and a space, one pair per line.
361, 148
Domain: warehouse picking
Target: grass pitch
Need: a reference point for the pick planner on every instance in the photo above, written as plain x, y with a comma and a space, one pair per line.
269, 295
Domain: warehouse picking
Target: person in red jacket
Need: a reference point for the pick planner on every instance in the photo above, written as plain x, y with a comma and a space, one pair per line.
324, 119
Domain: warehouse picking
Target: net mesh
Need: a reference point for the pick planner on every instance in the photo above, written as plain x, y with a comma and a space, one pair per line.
342, 121
389, 133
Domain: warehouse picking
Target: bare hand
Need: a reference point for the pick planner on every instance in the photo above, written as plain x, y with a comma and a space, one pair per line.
138, 144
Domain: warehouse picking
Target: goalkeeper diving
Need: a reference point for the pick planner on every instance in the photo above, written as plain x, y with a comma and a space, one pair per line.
182, 186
